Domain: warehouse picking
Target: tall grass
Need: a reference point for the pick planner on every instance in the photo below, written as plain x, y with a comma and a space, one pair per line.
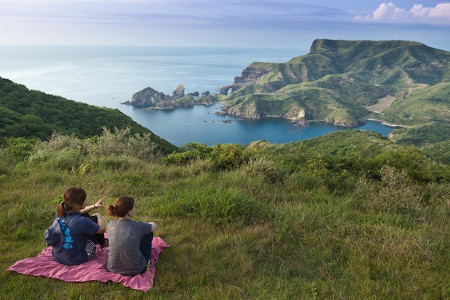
250, 229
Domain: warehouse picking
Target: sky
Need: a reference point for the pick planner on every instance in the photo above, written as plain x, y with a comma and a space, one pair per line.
221, 23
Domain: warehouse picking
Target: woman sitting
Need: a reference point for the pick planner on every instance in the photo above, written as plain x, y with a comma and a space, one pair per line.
73, 233
130, 242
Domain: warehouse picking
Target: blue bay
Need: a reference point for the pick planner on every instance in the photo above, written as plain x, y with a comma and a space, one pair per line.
107, 76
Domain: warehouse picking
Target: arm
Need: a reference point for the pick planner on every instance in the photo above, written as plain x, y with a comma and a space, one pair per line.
100, 223
99, 203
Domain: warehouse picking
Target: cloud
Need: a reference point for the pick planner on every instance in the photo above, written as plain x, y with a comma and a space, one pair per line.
245, 14
390, 13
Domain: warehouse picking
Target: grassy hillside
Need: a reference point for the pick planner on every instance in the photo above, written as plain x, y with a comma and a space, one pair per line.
347, 215
27, 113
422, 106
426, 111
363, 143
338, 79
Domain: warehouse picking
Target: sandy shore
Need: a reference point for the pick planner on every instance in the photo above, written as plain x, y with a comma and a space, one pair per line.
389, 124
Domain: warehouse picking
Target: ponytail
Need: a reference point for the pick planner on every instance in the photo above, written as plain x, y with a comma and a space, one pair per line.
122, 206
112, 211
61, 209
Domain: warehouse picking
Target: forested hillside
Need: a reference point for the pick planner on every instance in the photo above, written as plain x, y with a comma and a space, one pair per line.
27, 113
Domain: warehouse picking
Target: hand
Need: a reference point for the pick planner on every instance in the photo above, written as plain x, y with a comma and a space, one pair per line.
100, 203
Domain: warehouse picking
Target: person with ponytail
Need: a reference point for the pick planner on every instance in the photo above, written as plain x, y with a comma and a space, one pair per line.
74, 233
130, 242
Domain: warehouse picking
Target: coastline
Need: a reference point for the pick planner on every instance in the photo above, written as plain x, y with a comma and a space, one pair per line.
305, 123
166, 107
388, 124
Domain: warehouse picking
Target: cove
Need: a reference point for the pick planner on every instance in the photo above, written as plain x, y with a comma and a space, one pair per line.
200, 124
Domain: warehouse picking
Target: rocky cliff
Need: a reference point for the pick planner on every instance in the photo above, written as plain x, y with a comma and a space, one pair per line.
147, 97
150, 98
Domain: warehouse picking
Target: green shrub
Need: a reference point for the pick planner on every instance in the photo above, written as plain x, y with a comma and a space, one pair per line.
409, 159
228, 156
59, 141
61, 160
221, 157
188, 153
40, 156
395, 192
120, 162
266, 168
19, 148
118, 143
121, 142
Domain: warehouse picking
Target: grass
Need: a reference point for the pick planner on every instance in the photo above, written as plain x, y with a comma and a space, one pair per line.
256, 230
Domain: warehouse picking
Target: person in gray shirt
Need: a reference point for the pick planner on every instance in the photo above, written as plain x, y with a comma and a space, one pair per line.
130, 242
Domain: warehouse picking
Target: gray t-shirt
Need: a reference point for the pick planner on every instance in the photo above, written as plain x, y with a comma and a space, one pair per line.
124, 255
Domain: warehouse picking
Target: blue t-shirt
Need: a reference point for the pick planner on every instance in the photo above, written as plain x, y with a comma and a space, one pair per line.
76, 231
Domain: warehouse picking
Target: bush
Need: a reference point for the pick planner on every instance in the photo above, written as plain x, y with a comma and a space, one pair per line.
118, 143
221, 157
19, 148
395, 191
189, 153
58, 142
62, 160
121, 142
266, 168
409, 159
228, 157
120, 162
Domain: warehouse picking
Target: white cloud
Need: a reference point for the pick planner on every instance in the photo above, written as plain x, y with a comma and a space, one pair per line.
390, 13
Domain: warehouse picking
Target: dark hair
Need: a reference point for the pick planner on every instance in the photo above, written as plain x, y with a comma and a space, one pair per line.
121, 207
72, 196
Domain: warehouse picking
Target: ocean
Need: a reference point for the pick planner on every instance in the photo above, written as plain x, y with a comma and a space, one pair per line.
107, 76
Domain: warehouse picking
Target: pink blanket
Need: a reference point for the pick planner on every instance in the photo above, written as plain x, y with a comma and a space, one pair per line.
44, 265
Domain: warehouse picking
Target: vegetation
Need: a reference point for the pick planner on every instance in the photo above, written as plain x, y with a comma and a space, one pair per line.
347, 215
26, 113
424, 106
426, 112
338, 79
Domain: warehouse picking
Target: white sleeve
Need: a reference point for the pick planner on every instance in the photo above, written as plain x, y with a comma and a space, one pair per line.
153, 226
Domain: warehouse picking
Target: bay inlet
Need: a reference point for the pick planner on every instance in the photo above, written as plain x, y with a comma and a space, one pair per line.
200, 124
108, 76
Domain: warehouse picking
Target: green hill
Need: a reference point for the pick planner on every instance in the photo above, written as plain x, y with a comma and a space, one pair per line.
27, 113
346, 215
337, 80
363, 143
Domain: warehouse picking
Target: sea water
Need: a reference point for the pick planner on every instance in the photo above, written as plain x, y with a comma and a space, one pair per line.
108, 76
